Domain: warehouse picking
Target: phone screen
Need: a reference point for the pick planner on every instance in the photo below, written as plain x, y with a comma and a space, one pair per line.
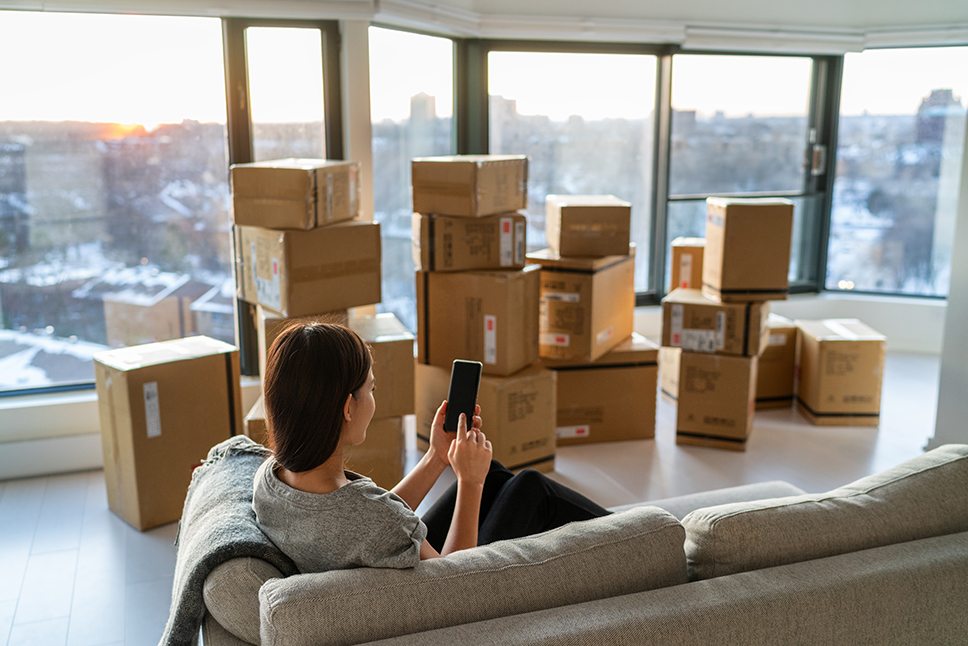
465, 377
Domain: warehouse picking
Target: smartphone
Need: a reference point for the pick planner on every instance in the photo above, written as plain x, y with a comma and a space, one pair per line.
465, 378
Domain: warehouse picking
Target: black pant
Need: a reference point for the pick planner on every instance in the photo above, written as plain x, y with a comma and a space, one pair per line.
513, 505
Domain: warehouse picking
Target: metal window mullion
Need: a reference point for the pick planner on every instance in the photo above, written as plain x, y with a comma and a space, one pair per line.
660, 178
471, 100
332, 89
830, 124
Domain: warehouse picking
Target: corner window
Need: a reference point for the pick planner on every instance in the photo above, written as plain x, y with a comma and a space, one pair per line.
899, 153
114, 204
586, 120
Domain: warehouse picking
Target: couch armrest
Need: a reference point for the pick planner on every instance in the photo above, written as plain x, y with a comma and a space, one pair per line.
231, 594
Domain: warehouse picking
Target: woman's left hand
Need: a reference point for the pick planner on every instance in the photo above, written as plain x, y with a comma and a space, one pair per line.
440, 440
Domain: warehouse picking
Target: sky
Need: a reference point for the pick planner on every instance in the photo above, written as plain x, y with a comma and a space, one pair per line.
151, 70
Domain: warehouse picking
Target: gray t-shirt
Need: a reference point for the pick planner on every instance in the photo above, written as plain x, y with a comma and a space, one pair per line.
358, 525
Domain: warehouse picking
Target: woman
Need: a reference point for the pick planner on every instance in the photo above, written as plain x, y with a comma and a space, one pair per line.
319, 400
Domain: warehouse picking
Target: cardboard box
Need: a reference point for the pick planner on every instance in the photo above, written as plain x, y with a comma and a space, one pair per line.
774, 382
491, 317
687, 254
382, 454
255, 427
299, 273
747, 254
518, 413
295, 193
391, 345
444, 243
588, 225
610, 399
669, 373
840, 365
587, 304
162, 407
269, 324
696, 323
469, 185
716, 400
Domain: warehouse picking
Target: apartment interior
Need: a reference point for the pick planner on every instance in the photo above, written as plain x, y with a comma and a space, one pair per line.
71, 572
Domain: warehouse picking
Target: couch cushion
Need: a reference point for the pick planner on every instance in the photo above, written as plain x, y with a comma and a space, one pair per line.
679, 506
231, 595
923, 497
640, 549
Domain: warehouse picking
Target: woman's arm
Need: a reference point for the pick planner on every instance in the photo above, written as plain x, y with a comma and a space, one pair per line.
470, 456
415, 485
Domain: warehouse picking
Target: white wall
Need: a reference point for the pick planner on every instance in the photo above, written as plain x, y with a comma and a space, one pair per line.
952, 419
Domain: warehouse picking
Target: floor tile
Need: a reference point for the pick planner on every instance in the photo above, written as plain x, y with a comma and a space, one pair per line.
150, 554
48, 587
52, 632
7, 610
146, 611
61, 514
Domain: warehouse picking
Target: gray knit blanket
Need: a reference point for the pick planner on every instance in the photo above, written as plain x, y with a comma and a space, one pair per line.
217, 525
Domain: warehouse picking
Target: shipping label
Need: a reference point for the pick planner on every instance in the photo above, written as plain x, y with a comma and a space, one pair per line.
605, 335
685, 271
265, 274
778, 339
698, 340
152, 409
675, 327
519, 245
565, 432
507, 242
720, 330
490, 339
559, 340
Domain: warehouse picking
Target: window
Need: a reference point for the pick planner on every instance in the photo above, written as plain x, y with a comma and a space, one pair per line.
740, 127
114, 204
586, 122
411, 106
899, 153
285, 68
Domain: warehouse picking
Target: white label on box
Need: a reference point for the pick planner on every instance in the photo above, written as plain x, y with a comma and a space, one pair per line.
507, 242
152, 409
543, 317
561, 297
715, 220
685, 271
519, 246
561, 340
720, 330
778, 339
699, 340
329, 196
573, 431
675, 329
605, 335
267, 289
490, 339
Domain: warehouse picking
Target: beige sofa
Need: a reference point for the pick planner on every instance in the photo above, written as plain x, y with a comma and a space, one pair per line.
883, 560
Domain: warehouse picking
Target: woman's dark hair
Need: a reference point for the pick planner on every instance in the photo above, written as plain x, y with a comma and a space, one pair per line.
311, 368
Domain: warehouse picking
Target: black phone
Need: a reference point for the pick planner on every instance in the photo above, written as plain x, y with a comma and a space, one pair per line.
465, 378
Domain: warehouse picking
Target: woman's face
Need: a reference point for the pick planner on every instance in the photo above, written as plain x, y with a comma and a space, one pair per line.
362, 407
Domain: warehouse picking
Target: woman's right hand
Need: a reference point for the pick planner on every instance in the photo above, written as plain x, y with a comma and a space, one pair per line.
470, 454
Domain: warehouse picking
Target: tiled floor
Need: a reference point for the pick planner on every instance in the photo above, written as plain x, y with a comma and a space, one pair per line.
71, 572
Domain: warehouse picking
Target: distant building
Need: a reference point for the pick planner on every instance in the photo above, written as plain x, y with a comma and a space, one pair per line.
933, 115
144, 305
14, 208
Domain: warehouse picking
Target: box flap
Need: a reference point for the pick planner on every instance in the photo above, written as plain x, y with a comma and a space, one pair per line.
150, 354
548, 259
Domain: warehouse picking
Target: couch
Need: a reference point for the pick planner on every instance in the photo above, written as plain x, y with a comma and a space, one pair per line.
883, 560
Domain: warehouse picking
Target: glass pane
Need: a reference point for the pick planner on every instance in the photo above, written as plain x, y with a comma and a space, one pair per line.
899, 154
687, 218
586, 121
739, 124
114, 225
411, 90
286, 92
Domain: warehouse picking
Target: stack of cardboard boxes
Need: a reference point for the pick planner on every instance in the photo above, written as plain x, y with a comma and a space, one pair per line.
716, 334
302, 251
606, 373
477, 300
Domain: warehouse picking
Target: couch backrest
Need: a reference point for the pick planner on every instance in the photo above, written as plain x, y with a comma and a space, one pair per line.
921, 498
635, 550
